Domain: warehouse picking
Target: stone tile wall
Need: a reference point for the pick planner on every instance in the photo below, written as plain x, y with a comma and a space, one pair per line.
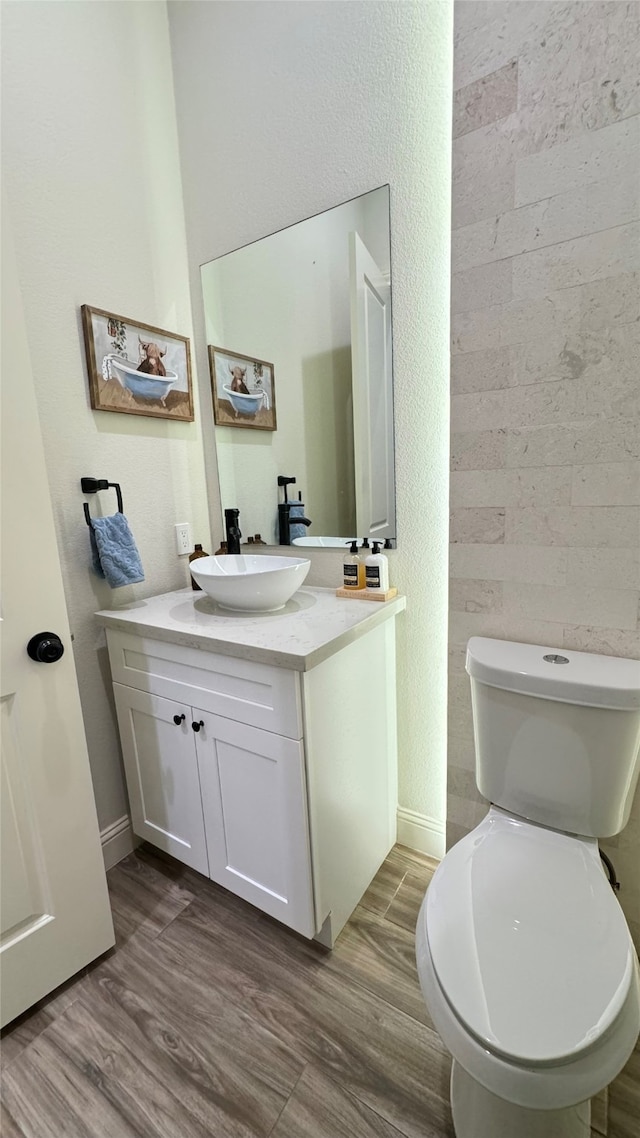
545, 419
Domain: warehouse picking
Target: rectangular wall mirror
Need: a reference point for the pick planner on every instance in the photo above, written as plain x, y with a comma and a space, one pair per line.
299, 333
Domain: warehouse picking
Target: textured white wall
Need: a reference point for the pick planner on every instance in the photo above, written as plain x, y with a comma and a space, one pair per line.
90, 161
545, 483
332, 100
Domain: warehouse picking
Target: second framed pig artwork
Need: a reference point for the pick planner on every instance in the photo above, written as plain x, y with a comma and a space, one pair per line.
136, 369
243, 390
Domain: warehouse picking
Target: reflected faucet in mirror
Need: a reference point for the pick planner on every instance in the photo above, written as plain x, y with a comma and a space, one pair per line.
284, 522
284, 512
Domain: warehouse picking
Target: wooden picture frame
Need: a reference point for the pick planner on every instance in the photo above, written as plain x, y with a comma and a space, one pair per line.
243, 389
135, 368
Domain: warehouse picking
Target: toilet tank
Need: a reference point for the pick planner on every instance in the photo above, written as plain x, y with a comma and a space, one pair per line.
557, 734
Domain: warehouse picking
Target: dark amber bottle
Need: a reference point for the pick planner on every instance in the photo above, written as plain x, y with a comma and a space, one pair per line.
198, 552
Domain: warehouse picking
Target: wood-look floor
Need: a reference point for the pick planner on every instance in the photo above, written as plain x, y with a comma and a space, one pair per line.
209, 1019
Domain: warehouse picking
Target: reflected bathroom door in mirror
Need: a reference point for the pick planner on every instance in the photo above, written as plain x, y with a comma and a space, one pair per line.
322, 315
372, 392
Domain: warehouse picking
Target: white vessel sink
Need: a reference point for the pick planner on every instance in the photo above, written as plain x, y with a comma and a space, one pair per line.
250, 583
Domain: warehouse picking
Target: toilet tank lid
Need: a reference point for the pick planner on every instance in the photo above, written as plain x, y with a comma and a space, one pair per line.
555, 673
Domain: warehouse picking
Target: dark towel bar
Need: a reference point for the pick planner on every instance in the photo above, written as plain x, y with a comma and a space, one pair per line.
92, 485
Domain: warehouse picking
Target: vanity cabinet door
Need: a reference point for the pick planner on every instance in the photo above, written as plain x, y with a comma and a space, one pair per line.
162, 774
255, 809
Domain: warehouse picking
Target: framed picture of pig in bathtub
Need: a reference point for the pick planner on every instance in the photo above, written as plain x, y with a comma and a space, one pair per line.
244, 393
136, 369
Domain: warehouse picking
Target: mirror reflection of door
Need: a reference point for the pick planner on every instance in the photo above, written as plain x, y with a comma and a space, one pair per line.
372, 392
293, 299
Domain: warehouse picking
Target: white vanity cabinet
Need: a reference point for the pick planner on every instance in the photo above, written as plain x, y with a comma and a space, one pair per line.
255, 809
277, 782
161, 766
214, 790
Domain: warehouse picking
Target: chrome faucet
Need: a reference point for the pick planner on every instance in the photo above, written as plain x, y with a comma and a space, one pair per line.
232, 528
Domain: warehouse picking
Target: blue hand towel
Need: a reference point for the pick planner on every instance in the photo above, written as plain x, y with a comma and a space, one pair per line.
115, 554
296, 511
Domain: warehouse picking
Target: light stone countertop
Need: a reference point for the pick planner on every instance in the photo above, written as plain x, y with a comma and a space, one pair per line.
313, 625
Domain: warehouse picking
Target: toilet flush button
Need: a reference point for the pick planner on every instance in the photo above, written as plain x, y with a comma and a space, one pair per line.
553, 658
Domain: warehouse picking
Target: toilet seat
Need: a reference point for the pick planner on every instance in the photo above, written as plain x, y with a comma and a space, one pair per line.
528, 942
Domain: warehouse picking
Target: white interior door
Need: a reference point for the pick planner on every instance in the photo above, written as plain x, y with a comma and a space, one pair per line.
372, 393
162, 774
255, 810
54, 906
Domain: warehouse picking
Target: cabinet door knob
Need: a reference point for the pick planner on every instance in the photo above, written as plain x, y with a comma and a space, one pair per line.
198, 725
178, 719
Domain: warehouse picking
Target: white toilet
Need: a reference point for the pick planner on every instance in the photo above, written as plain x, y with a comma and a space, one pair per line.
524, 956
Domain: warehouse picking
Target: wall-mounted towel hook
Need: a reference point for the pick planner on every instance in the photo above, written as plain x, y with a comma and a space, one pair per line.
92, 485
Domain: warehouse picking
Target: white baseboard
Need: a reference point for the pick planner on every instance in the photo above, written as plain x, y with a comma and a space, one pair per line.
118, 840
419, 832
416, 831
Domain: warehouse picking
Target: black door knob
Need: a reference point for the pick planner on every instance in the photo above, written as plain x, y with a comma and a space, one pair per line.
198, 725
177, 719
45, 647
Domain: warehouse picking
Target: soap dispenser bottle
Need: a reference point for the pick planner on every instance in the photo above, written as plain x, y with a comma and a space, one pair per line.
353, 569
376, 569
